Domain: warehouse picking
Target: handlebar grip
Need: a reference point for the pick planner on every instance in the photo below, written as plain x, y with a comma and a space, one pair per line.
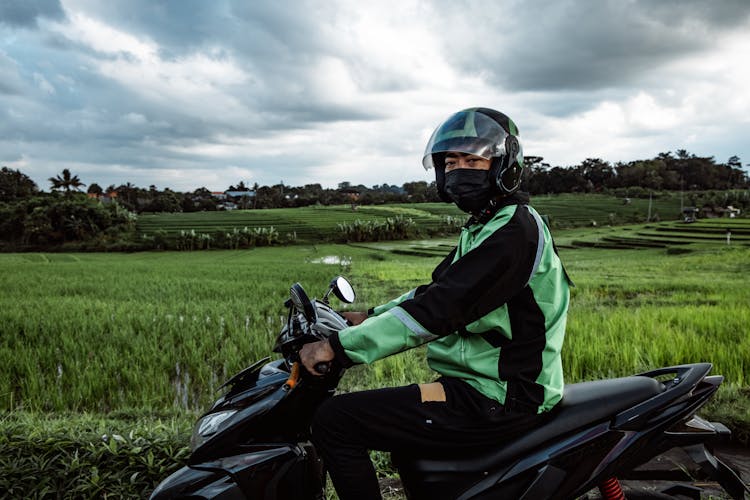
323, 367
293, 377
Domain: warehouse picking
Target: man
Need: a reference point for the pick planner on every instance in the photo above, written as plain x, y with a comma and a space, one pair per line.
494, 315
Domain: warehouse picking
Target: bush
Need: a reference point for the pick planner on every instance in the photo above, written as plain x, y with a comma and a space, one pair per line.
449, 225
392, 228
84, 457
53, 220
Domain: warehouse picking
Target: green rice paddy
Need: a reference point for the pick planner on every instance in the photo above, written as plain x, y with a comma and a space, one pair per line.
320, 223
160, 331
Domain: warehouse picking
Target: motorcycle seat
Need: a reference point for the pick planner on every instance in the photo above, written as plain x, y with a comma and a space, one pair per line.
583, 404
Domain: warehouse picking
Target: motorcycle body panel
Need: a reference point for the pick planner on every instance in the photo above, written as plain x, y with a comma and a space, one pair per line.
284, 472
195, 483
254, 442
603, 429
264, 452
268, 411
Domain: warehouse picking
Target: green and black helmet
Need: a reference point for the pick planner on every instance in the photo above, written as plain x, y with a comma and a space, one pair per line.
483, 132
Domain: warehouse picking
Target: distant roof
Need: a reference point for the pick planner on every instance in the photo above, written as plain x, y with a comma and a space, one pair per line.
237, 194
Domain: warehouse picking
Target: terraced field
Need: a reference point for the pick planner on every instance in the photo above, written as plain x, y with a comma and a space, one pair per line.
307, 224
676, 237
321, 222
577, 210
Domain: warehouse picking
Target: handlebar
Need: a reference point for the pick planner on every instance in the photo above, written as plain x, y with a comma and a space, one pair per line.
323, 367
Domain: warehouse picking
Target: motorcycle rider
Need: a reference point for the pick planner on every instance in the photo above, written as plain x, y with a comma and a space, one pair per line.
494, 315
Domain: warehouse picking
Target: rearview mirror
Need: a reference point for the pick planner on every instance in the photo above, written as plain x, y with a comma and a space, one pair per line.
302, 302
343, 289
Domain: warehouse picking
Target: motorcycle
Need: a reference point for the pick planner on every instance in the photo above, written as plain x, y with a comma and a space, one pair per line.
254, 441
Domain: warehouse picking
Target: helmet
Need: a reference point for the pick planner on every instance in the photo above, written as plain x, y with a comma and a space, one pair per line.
483, 132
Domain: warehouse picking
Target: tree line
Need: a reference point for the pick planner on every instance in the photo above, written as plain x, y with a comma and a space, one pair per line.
30, 217
666, 172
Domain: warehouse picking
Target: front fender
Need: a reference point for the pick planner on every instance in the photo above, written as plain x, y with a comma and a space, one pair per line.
279, 472
195, 483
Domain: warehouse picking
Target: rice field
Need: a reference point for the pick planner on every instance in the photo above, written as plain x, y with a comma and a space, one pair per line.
309, 224
317, 223
158, 332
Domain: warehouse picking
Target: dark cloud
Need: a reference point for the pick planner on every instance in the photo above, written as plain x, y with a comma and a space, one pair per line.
267, 70
10, 82
569, 102
278, 45
250, 29
176, 26
566, 45
25, 13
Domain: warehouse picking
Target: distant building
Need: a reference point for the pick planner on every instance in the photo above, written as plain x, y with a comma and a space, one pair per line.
711, 212
240, 194
233, 200
104, 197
226, 205
690, 214
351, 193
732, 212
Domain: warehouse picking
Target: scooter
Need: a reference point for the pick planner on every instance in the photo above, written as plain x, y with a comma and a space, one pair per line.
254, 442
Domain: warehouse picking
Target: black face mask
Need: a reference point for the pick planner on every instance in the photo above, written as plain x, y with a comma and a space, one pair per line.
470, 189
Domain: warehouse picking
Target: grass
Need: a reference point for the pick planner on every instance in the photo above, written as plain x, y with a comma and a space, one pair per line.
98, 332
160, 331
659, 309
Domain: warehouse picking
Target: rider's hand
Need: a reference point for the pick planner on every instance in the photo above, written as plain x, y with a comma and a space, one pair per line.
354, 317
316, 352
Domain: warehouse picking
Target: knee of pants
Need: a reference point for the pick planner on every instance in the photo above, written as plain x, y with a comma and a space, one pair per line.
321, 421
327, 420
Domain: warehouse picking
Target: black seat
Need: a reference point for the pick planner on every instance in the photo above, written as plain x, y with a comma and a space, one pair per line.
582, 404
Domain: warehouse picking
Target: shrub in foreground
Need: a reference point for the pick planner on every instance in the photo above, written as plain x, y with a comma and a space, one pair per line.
83, 457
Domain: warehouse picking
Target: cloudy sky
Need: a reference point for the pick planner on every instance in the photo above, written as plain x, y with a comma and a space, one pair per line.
191, 93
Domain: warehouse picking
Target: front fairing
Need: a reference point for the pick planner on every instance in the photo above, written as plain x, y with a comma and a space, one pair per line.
284, 471
197, 483
268, 410
252, 384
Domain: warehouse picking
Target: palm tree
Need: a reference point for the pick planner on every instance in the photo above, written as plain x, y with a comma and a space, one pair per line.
66, 181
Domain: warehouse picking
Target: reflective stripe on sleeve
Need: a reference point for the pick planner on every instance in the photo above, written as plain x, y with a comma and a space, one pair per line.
539, 245
411, 324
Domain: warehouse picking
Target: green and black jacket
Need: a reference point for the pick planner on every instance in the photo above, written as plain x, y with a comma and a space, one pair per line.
494, 313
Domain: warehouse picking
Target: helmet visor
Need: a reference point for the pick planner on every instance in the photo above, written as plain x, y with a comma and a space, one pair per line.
469, 132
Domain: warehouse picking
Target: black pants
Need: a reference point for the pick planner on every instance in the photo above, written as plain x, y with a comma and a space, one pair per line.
395, 419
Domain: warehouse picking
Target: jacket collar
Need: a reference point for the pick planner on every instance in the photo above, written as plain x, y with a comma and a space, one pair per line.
517, 198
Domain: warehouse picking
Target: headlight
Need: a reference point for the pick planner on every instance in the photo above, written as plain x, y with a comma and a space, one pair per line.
208, 426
